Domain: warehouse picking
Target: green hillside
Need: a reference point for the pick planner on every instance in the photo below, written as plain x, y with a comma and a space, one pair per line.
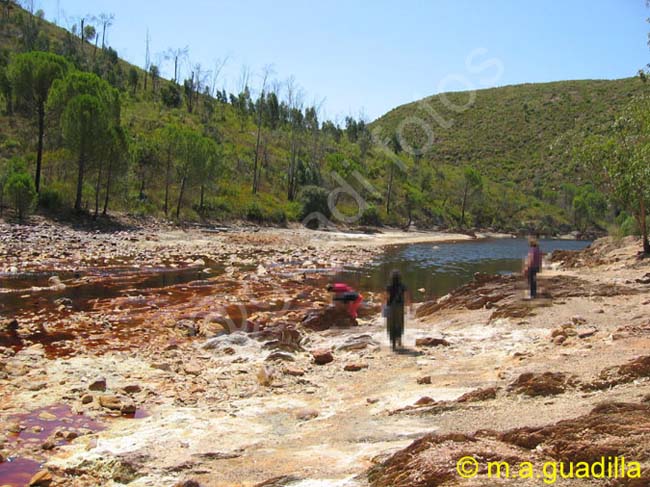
521, 133
504, 163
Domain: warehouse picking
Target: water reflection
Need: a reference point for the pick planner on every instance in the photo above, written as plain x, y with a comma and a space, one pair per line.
439, 268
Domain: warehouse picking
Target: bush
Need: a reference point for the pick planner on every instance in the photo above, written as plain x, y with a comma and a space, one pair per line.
314, 200
20, 190
629, 226
370, 217
51, 198
170, 95
254, 212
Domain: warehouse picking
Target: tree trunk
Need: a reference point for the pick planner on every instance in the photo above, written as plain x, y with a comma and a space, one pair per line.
462, 211
80, 181
97, 186
39, 151
201, 201
644, 227
167, 174
257, 147
108, 186
142, 187
390, 187
180, 198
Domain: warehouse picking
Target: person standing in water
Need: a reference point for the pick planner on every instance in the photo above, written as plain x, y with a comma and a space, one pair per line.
396, 298
533, 265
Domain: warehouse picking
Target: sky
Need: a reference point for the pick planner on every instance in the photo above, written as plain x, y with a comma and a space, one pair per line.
363, 58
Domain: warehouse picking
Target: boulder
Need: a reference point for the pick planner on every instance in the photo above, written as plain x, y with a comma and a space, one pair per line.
98, 385
355, 366
41, 479
424, 380
431, 342
326, 318
544, 384
294, 371
322, 356
479, 395
117, 403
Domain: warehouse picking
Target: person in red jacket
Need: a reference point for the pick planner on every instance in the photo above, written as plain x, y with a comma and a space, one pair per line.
347, 297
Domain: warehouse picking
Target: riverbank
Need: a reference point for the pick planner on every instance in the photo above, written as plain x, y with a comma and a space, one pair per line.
166, 396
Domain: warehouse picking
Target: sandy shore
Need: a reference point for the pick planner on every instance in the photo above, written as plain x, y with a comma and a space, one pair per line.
254, 407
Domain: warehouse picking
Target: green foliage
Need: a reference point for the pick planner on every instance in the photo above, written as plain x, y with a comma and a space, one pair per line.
170, 95
370, 217
314, 199
20, 191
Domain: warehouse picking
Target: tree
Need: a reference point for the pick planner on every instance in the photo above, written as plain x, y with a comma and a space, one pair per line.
84, 124
395, 145
133, 79
154, 72
170, 95
32, 75
167, 141
472, 182
106, 21
623, 162
20, 189
116, 155
89, 33
208, 166
260, 112
89, 107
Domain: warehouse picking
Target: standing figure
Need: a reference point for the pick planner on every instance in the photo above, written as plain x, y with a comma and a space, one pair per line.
533, 265
396, 298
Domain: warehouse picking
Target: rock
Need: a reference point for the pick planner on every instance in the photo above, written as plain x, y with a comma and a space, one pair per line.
424, 380
9, 326
372, 400
294, 371
41, 479
162, 366
536, 384
187, 483
87, 399
193, 368
117, 403
132, 389
283, 356
431, 342
479, 395
322, 356
37, 386
559, 340
355, 366
306, 414
98, 385
359, 342
326, 318
46, 416
423, 401
586, 332
48, 445
56, 284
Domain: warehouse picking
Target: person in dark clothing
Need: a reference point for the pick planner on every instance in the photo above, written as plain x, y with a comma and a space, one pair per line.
533, 266
396, 298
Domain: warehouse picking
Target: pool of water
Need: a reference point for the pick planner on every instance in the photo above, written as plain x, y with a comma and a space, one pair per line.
432, 270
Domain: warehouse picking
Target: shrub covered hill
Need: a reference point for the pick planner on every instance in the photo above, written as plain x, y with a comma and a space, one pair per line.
119, 138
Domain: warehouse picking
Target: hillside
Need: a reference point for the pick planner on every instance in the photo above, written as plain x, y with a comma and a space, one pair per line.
520, 133
270, 158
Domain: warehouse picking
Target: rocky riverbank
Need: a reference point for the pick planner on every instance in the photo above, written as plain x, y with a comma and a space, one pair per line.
152, 356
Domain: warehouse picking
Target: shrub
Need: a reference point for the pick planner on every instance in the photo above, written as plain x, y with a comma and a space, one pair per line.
170, 95
51, 198
314, 201
629, 226
20, 190
370, 217
254, 212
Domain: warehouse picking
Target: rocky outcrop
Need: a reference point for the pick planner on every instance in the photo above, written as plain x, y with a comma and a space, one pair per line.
544, 384
328, 317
